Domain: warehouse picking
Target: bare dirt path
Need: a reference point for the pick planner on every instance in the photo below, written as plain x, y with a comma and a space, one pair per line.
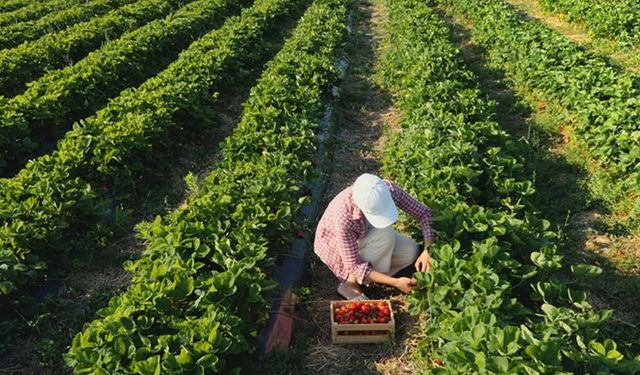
365, 115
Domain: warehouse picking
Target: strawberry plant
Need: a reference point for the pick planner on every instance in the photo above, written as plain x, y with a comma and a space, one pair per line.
200, 291
114, 148
35, 10
492, 300
13, 35
10, 5
57, 99
604, 101
30, 60
610, 19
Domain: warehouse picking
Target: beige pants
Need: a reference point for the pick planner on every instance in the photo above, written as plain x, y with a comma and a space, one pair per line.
387, 250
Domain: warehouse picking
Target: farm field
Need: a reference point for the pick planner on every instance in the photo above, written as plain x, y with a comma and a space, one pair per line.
157, 158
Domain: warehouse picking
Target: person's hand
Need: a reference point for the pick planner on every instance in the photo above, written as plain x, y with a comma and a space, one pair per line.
422, 263
406, 284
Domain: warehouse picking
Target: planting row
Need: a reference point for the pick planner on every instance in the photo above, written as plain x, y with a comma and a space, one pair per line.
10, 5
55, 101
13, 35
609, 19
200, 292
35, 10
493, 303
30, 60
123, 145
540, 61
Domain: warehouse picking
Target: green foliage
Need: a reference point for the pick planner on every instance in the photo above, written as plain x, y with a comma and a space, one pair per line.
604, 100
114, 148
60, 97
30, 60
11, 5
13, 35
494, 303
618, 19
200, 292
35, 10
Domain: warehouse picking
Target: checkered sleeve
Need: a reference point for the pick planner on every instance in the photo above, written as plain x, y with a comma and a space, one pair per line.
414, 208
347, 247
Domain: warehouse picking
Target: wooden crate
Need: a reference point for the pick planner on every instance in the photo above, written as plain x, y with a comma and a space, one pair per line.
358, 333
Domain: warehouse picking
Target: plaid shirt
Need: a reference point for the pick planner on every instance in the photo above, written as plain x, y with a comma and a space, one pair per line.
343, 224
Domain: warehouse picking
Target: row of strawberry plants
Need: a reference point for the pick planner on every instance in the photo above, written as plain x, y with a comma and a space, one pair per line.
35, 10
609, 19
493, 302
11, 5
604, 101
123, 144
12, 35
61, 97
30, 60
200, 292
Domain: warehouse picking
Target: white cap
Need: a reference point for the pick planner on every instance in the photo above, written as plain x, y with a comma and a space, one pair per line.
372, 196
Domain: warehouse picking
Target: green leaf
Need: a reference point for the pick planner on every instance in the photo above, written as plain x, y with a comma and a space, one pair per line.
615, 355
150, 366
120, 346
528, 336
6, 287
597, 347
537, 258
500, 364
480, 227
583, 271
477, 334
580, 342
183, 287
208, 361
480, 361
550, 311
159, 270
184, 358
127, 323
609, 345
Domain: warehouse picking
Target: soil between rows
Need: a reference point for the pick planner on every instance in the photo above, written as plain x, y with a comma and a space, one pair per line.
365, 118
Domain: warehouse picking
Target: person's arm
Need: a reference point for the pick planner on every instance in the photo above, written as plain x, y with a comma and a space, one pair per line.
405, 284
414, 208
363, 271
420, 213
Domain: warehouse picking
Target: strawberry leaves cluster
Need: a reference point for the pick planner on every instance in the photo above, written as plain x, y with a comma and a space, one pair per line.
492, 302
34, 10
54, 101
602, 100
13, 35
42, 207
200, 291
618, 20
30, 60
11, 5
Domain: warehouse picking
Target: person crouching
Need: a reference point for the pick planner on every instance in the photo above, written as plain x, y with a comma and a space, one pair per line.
356, 240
